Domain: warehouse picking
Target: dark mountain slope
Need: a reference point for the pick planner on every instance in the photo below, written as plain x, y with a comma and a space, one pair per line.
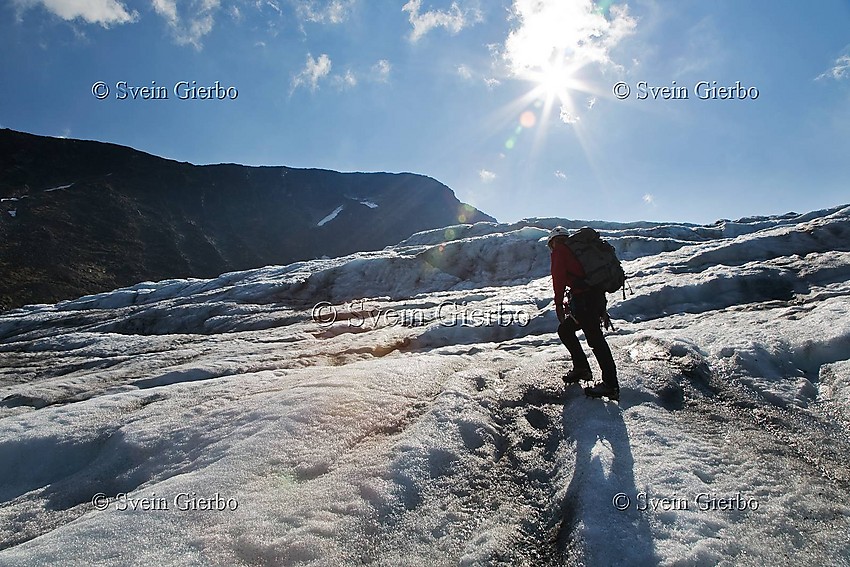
79, 217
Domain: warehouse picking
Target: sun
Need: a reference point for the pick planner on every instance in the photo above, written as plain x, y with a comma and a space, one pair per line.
554, 80
555, 87
557, 83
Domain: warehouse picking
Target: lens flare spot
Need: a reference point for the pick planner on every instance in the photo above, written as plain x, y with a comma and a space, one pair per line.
450, 234
510, 143
527, 119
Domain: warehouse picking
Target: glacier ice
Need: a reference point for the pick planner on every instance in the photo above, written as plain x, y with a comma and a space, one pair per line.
127, 417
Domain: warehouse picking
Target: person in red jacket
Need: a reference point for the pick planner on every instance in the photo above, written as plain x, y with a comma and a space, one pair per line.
587, 308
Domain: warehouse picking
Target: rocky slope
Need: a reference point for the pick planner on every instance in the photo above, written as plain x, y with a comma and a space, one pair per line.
80, 217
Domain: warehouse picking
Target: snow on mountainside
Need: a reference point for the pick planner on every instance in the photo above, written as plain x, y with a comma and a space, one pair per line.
406, 407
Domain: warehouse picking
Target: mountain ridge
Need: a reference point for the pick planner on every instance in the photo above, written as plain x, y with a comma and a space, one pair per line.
80, 216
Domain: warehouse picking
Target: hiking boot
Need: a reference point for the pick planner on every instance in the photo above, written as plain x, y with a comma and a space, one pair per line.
575, 375
603, 390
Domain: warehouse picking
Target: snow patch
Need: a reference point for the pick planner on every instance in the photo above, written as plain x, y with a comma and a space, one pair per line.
331, 216
59, 187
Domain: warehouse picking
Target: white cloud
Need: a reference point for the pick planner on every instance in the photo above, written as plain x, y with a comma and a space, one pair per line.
314, 71
486, 176
467, 73
167, 9
333, 12
454, 19
346, 81
564, 33
560, 174
191, 28
840, 69
271, 4
103, 12
381, 71
318, 70
568, 117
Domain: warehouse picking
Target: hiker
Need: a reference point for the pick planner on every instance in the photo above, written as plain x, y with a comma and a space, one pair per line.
586, 311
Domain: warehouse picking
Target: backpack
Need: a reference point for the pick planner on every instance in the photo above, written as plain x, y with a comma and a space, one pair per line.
599, 259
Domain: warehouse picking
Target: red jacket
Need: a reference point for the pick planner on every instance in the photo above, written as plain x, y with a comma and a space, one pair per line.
566, 271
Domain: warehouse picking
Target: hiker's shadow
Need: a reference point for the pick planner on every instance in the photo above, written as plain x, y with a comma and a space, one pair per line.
594, 529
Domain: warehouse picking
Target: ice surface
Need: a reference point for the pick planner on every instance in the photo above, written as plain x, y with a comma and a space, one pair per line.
406, 407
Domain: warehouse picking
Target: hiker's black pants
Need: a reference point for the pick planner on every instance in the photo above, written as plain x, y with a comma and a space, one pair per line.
587, 308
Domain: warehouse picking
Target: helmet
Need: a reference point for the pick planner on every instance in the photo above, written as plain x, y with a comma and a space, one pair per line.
557, 231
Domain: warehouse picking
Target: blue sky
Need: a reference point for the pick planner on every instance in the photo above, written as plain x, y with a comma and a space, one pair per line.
510, 103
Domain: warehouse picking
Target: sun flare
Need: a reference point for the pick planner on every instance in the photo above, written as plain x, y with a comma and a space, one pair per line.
553, 80
556, 86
